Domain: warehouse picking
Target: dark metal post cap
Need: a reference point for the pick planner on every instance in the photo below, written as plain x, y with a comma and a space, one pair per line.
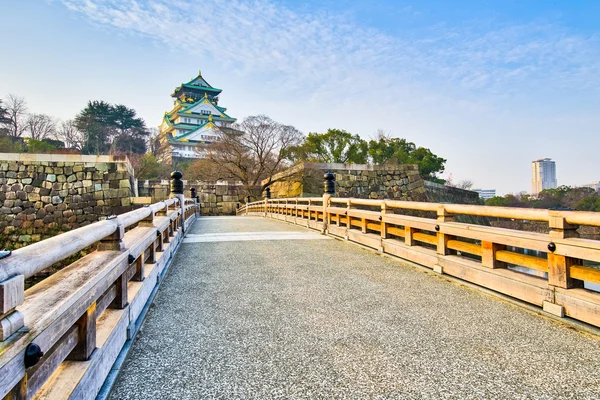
329, 183
176, 175
33, 354
176, 182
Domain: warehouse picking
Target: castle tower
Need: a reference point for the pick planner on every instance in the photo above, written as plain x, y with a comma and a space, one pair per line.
195, 121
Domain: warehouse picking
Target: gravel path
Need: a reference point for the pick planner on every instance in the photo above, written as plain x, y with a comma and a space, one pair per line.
323, 319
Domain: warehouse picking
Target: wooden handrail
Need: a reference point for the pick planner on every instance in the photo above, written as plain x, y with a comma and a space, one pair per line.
103, 287
477, 253
36, 257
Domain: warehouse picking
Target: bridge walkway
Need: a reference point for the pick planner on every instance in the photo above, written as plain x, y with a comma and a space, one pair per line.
260, 309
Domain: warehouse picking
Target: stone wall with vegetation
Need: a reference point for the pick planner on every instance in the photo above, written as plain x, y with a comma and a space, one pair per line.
45, 194
438, 193
401, 182
219, 198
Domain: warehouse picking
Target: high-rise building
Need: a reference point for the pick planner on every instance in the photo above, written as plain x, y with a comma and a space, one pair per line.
543, 175
195, 121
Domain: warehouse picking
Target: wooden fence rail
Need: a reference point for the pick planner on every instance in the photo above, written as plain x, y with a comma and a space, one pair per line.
554, 276
60, 338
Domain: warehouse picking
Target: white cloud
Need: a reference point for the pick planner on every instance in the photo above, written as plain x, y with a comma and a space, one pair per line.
457, 84
326, 52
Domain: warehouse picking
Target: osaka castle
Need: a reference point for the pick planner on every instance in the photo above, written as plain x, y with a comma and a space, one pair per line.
195, 121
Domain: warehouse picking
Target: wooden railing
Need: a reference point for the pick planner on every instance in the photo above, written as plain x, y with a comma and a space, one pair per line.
81, 316
558, 273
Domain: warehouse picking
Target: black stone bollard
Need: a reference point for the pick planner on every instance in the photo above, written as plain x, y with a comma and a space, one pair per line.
176, 182
193, 193
329, 183
247, 199
268, 193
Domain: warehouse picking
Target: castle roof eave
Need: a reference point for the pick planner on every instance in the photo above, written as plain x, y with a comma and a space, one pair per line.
195, 88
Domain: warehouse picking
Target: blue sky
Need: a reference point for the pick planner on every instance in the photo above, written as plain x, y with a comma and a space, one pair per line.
489, 85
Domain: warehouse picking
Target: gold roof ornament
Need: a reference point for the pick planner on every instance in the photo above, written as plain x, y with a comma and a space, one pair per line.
190, 100
205, 95
209, 117
199, 73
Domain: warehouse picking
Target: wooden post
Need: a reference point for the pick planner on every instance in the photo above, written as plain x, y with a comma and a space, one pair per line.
139, 268
348, 219
559, 228
113, 242
326, 215
383, 225
86, 326
442, 243
559, 271
12, 294
120, 301
488, 255
559, 267
176, 186
408, 235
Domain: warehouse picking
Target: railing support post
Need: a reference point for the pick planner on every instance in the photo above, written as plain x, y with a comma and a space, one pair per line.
86, 327
488, 255
177, 192
559, 267
328, 191
442, 244
12, 294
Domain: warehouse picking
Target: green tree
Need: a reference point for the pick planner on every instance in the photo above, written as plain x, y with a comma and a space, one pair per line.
334, 146
8, 145
398, 151
131, 130
39, 146
590, 203
497, 201
111, 129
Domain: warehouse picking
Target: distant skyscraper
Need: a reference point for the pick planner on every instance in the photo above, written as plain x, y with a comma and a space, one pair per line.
543, 175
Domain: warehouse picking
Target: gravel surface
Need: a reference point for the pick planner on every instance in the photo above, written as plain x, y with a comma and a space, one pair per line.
323, 319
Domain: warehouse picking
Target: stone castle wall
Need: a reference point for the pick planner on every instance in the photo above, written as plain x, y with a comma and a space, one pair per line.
219, 198
45, 194
438, 193
401, 182
398, 182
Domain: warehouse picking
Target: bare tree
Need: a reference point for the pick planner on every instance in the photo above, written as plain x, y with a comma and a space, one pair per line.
40, 126
15, 114
464, 184
254, 151
382, 134
70, 135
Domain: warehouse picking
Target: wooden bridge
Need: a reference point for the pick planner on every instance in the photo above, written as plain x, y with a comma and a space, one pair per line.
257, 308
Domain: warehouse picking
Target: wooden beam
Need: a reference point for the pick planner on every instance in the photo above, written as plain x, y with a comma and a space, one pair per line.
86, 332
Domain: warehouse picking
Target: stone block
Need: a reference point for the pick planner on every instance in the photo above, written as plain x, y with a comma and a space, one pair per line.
554, 309
51, 177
